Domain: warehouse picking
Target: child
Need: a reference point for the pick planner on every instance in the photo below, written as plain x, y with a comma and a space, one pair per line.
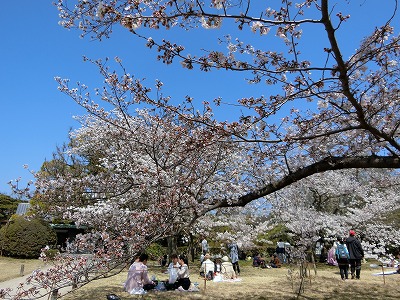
342, 258
217, 265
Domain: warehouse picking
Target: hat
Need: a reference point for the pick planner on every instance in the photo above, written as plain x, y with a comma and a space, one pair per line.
352, 232
225, 258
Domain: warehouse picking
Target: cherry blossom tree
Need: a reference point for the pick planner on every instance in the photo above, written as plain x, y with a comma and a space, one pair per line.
336, 113
325, 206
350, 121
328, 205
244, 225
133, 179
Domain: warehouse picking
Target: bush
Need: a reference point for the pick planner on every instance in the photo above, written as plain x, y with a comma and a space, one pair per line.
51, 254
155, 251
25, 239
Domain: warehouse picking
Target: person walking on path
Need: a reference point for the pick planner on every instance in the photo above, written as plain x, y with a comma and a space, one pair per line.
356, 254
342, 258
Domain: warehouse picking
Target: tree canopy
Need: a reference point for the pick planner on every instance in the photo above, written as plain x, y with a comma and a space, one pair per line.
350, 121
8, 206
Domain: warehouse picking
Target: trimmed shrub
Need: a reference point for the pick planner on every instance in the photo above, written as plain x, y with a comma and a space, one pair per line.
25, 238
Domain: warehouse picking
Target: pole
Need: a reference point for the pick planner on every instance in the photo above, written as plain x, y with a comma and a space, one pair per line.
205, 280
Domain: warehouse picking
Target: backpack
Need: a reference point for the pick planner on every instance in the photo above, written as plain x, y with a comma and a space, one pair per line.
341, 249
210, 275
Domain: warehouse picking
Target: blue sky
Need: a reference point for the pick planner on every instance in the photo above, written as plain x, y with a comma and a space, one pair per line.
34, 49
36, 116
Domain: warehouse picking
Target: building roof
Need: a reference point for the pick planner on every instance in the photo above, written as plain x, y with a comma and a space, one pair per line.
23, 208
66, 226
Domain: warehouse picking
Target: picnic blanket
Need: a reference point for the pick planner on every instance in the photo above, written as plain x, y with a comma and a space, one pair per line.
386, 273
221, 279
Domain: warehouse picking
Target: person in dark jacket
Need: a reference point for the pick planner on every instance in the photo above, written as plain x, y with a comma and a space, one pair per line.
356, 254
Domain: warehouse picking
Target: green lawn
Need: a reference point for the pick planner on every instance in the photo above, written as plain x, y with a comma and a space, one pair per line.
11, 267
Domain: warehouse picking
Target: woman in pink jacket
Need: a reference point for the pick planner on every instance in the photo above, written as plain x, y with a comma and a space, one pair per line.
138, 280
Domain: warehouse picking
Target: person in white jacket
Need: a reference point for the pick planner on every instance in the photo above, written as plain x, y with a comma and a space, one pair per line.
207, 267
227, 269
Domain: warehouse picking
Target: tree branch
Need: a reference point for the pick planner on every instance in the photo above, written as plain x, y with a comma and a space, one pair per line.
326, 164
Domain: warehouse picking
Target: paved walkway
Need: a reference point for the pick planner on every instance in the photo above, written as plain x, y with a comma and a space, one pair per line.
12, 283
15, 282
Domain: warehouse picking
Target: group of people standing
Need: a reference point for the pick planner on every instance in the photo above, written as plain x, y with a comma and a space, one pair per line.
349, 252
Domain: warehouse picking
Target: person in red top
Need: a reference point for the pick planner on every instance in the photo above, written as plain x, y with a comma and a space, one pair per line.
275, 262
356, 254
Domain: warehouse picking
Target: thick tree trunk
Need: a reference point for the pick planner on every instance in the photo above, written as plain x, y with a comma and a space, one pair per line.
191, 248
172, 245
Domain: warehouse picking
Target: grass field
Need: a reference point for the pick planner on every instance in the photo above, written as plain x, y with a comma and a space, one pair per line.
256, 284
11, 267
261, 284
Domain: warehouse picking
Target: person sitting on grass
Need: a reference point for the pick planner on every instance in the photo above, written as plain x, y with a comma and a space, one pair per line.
172, 271
398, 265
227, 269
217, 265
183, 274
138, 280
174, 262
258, 261
163, 260
275, 262
207, 268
